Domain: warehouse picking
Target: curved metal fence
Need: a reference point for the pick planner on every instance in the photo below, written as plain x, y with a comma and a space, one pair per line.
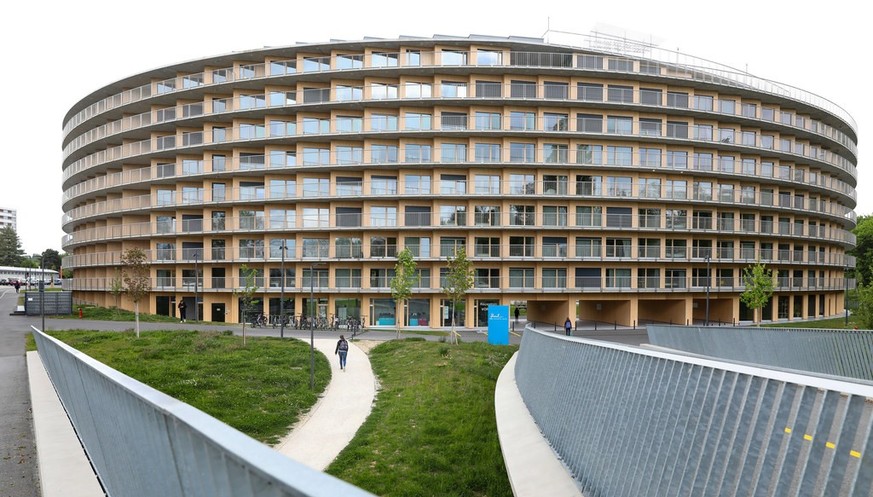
631, 422
143, 443
847, 353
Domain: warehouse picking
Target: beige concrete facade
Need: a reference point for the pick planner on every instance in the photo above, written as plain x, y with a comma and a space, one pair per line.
612, 188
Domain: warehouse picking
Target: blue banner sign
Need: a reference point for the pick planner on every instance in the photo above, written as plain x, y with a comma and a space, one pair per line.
498, 324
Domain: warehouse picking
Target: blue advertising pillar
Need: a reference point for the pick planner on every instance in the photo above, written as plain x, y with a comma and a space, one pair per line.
498, 324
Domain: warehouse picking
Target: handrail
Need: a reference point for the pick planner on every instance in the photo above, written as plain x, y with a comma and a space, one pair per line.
142, 442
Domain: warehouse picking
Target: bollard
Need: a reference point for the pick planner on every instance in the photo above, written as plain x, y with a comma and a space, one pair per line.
80, 312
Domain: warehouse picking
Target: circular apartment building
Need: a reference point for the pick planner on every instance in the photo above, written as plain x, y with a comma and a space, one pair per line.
604, 182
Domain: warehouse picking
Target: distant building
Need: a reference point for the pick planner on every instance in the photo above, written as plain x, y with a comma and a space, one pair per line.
614, 182
8, 217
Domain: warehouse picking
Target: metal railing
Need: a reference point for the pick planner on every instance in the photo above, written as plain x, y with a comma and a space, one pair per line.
630, 422
143, 443
847, 353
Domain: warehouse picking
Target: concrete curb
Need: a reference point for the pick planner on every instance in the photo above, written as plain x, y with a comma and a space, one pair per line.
64, 469
534, 469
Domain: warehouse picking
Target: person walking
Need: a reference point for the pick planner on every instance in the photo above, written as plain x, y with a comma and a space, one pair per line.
17, 286
517, 313
568, 326
182, 307
342, 348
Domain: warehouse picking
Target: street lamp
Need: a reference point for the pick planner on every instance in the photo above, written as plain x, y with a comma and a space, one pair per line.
196, 307
846, 298
282, 247
312, 267
708, 280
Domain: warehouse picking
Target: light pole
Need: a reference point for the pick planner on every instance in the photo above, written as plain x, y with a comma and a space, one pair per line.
708, 280
196, 307
42, 290
282, 293
312, 324
846, 298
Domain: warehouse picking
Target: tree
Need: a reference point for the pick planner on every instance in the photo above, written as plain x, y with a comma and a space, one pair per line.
863, 250
459, 280
11, 253
759, 287
51, 259
136, 276
864, 310
246, 294
405, 277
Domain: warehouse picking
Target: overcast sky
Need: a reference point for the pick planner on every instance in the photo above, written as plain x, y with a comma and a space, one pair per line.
58, 53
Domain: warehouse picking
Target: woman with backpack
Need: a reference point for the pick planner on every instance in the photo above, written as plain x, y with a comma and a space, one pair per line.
342, 348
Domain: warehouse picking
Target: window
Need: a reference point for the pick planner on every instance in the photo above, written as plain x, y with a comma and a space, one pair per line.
487, 121
522, 152
489, 89
523, 89
768, 113
250, 249
555, 90
726, 221
649, 187
702, 220
417, 90
621, 94
619, 217
650, 157
349, 155
383, 122
417, 184
453, 152
383, 154
316, 217
619, 156
383, 185
487, 152
649, 218
419, 246
315, 187
378, 59
348, 186
316, 156
703, 132
619, 125
486, 215
523, 121
346, 217
703, 190
453, 120
417, 215
383, 216
702, 161
349, 124
449, 245
452, 184
521, 215
676, 218
676, 249
348, 278
452, 89
382, 91
747, 222
521, 277
554, 122
750, 110
554, 184
648, 278
703, 102
346, 61
416, 153
486, 184
619, 186
589, 154
521, 246
649, 96
650, 127
555, 215
554, 153
453, 215
677, 129
486, 278
649, 248
677, 99
453, 58
381, 246
727, 106
487, 246
618, 278
674, 278
554, 278
521, 184
588, 247
589, 123
618, 247
415, 121
554, 246
588, 216
589, 92
348, 247
677, 159
282, 218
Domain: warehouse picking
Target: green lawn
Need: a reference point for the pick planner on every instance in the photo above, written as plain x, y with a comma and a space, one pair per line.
432, 430
825, 324
259, 389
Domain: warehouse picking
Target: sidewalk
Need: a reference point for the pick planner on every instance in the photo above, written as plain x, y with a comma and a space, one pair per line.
332, 422
315, 440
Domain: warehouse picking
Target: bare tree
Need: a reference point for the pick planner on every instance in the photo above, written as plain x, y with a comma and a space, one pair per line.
247, 293
136, 276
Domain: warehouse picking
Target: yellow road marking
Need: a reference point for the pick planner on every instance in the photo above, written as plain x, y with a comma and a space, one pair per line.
854, 453
830, 445
787, 430
807, 437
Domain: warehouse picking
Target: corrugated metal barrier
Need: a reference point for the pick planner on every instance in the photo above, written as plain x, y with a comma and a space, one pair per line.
634, 422
846, 353
143, 443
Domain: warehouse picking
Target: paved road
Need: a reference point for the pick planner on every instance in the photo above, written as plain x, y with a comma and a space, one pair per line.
19, 475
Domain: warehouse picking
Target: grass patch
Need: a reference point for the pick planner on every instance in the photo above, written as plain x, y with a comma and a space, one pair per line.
432, 430
259, 389
115, 314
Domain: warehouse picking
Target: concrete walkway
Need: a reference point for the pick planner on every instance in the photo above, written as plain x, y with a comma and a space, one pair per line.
332, 422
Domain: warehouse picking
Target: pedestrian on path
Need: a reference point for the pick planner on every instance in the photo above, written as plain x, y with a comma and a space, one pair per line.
17, 286
568, 326
182, 307
517, 313
342, 348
